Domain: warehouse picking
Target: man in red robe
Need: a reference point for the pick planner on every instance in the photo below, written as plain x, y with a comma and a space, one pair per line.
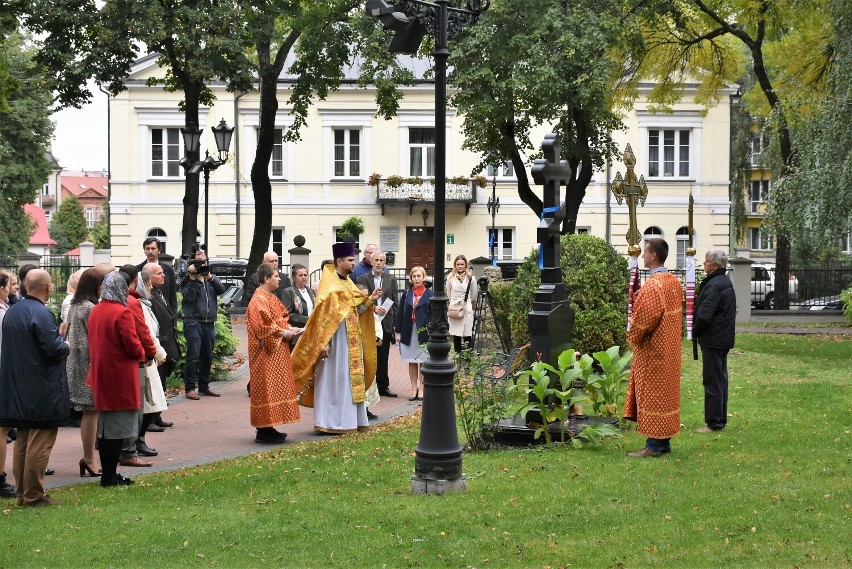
653, 394
273, 393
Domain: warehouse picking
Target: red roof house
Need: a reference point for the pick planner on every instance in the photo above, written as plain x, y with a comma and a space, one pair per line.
40, 241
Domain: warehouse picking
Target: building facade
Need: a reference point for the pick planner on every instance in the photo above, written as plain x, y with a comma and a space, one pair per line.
331, 173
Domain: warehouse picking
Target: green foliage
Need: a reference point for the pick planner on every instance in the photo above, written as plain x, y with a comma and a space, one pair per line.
595, 276
552, 392
100, 234
607, 387
480, 399
25, 133
846, 297
68, 226
352, 227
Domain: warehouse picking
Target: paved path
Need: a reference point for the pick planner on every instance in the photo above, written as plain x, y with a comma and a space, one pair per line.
215, 428
796, 331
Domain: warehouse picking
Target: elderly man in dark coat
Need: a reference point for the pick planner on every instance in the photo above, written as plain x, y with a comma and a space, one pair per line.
33, 386
714, 330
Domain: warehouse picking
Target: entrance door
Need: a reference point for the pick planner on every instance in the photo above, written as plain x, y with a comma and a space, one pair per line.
420, 247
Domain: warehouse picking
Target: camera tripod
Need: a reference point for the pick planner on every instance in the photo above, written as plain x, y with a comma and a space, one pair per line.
483, 309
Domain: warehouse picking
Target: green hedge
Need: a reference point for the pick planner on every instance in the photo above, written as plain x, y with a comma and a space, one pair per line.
595, 276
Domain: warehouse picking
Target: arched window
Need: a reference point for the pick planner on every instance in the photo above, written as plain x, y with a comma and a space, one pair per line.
682, 237
161, 236
652, 232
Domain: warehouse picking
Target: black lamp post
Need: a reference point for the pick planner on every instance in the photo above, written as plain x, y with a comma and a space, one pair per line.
191, 142
493, 207
438, 455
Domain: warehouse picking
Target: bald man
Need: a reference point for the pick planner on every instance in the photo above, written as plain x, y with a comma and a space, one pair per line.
270, 257
33, 386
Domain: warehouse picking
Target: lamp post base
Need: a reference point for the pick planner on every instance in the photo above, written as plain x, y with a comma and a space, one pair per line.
424, 486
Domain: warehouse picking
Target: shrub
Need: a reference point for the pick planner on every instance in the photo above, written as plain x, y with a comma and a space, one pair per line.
846, 296
595, 276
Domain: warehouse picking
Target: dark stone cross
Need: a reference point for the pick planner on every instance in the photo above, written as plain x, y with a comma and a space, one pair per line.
551, 319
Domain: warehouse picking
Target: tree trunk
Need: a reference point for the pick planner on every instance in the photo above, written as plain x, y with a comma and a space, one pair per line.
192, 93
261, 186
782, 239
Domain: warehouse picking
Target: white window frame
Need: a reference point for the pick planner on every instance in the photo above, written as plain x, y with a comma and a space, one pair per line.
505, 170
500, 242
681, 245
251, 126
347, 119
273, 242
348, 148
90, 217
423, 119
758, 149
652, 234
158, 117
424, 149
665, 139
677, 121
763, 188
165, 162
763, 240
846, 242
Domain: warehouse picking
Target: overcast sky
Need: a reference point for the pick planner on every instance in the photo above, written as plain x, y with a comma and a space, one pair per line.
80, 137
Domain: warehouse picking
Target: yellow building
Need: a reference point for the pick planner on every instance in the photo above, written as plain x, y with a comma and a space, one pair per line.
321, 180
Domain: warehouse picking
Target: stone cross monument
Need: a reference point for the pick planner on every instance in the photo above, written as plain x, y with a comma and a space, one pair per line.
551, 319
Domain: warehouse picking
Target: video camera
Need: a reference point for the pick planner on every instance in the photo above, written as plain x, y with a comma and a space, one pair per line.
202, 266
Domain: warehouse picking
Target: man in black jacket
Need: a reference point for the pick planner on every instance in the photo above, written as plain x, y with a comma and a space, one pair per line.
270, 257
151, 245
714, 330
33, 386
200, 290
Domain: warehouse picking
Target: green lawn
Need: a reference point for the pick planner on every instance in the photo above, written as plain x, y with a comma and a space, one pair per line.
773, 490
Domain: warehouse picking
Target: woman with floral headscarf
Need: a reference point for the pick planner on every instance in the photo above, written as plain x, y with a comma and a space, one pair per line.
116, 353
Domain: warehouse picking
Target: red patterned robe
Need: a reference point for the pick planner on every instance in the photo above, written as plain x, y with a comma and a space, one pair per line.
653, 394
273, 393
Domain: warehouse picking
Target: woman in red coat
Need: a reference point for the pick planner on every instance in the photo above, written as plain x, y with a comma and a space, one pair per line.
115, 353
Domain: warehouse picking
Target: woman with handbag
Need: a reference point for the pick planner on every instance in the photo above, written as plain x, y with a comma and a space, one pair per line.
410, 326
462, 290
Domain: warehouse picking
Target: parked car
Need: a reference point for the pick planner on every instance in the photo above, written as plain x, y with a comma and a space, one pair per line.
825, 303
229, 271
763, 285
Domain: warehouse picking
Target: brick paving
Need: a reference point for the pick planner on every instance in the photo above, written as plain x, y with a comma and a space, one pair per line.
214, 428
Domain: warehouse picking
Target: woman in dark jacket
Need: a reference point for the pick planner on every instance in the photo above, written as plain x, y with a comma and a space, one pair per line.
414, 317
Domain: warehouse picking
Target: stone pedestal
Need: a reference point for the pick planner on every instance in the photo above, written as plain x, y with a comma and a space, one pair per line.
29, 259
477, 266
741, 279
299, 254
87, 254
438, 487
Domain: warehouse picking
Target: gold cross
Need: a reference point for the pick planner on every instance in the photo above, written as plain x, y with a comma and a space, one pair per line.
633, 190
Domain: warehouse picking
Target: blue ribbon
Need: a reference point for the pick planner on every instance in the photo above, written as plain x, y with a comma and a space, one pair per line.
540, 245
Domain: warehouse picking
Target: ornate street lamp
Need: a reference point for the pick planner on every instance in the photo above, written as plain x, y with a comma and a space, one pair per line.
438, 455
192, 142
493, 206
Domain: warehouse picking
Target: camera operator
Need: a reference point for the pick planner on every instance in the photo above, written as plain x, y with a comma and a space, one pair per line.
200, 290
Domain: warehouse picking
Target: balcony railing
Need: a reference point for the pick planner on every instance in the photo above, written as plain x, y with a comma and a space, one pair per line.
411, 194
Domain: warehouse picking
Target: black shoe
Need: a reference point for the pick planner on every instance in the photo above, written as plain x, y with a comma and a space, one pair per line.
154, 428
160, 423
49, 472
73, 423
143, 449
117, 480
268, 435
13, 434
6, 489
371, 416
387, 393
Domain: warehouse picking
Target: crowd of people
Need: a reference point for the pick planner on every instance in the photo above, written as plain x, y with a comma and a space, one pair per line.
325, 348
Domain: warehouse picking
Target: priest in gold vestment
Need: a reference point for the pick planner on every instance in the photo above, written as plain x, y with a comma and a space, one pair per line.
273, 392
334, 361
653, 393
